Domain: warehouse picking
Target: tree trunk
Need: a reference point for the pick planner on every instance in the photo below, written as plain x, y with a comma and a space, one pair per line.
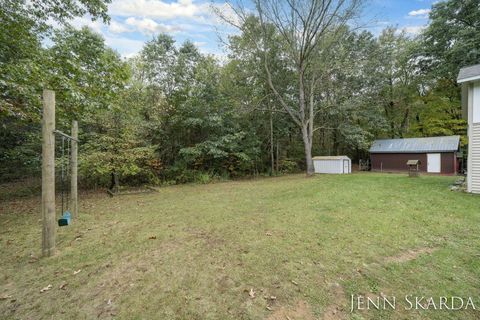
307, 143
272, 157
404, 125
307, 126
114, 183
277, 164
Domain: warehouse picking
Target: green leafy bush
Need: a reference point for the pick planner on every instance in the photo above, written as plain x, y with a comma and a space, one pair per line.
100, 158
288, 166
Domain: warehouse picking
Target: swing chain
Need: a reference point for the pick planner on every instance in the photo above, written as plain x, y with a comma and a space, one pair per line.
68, 173
65, 173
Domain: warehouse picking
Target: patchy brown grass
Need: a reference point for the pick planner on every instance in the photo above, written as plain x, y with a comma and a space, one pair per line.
409, 255
336, 310
301, 310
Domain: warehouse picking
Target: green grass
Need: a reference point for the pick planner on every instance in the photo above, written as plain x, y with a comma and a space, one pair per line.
315, 241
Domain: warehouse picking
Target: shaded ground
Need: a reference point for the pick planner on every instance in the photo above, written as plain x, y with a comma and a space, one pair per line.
282, 248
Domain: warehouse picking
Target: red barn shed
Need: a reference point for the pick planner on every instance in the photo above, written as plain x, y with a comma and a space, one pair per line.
436, 154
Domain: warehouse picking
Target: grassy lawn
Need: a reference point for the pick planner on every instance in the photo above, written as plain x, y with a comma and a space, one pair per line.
280, 248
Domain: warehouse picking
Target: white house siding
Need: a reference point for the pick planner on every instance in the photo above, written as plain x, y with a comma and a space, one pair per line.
469, 77
474, 158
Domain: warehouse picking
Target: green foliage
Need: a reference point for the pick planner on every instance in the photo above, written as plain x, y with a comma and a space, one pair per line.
185, 102
288, 166
452, 38
79, 67
222, 155
134, 165
21, 65
86, 75
25, 64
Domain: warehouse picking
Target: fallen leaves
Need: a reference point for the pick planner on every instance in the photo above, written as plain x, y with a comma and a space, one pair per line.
33, 258
5, 297
63, 286
251, 293
77, 272
152, 237
46, 288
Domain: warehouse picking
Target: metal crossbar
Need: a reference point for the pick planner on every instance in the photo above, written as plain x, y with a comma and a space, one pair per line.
65, 135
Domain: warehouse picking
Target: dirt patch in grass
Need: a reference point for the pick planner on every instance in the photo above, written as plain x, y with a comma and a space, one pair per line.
409, 255
121, 278
335, 311
209, 238
301, 311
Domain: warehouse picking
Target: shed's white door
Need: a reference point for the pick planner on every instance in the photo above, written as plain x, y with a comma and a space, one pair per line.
434, 162
345, 166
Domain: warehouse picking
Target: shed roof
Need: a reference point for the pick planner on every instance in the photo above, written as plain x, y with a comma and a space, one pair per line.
413, 162
470, 73
416, 145
331, 158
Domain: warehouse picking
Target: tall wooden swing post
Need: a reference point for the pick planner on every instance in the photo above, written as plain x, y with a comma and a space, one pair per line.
48, 174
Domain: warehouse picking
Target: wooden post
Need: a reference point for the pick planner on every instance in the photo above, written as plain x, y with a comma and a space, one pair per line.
74, 169
48, 174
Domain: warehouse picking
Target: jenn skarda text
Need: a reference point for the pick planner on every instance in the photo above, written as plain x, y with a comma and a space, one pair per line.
410, 302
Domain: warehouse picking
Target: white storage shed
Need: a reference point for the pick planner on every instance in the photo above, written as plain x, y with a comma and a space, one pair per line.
332, 164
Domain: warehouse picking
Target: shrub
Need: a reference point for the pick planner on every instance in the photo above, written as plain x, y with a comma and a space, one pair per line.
288, 166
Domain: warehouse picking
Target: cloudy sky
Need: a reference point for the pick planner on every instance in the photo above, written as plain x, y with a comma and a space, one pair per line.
133, 22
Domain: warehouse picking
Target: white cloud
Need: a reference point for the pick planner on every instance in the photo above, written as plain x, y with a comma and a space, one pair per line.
148, 26
419, 12
116, 27
203, 12
200, 43
125, 46
78, 23
156, 9
192, 18
413, 29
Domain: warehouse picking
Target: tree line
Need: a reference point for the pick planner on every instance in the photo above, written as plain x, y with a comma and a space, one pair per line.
298, 81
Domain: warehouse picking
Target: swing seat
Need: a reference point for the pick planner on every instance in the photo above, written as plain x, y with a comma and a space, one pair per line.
65, 219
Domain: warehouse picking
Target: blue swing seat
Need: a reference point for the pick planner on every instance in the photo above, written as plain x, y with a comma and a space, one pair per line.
65, 219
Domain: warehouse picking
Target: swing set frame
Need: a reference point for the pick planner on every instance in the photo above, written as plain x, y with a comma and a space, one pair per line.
49, 221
